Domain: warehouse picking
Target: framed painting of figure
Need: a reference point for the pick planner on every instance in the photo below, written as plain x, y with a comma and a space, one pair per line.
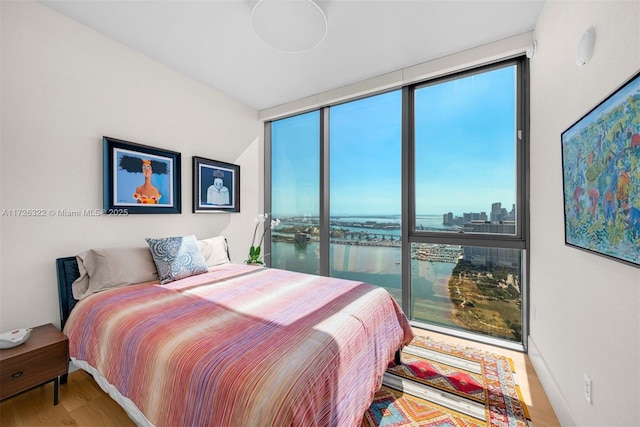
216, 186
140, 179
601, 177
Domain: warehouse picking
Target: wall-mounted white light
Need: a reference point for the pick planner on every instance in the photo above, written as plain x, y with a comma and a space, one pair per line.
289, 25
585, 46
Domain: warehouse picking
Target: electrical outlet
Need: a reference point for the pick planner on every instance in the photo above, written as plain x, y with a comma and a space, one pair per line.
587, 389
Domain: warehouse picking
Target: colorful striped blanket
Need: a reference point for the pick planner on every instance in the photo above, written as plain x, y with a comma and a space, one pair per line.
242, 346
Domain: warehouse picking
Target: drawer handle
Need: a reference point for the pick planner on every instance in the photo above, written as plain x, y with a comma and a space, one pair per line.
17, 374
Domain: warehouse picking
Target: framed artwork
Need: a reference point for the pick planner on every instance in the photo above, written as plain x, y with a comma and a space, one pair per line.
140, 179
601, 177
216, 186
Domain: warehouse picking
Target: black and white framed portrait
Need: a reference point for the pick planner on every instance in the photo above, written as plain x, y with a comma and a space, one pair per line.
216, 186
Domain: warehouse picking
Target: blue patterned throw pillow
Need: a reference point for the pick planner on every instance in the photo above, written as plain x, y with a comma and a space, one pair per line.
176, 257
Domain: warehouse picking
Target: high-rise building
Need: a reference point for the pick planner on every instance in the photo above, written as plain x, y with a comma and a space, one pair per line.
496, 212
447, 219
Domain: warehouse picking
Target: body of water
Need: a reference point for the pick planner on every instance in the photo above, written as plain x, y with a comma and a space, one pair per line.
378, 265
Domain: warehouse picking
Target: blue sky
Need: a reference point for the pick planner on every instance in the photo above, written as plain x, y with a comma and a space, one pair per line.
465, 150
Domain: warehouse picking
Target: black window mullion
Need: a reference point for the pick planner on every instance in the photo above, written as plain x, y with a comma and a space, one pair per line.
267, 189
324, 222
408, 201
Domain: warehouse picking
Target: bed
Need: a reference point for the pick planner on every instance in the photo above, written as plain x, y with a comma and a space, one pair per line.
236, 345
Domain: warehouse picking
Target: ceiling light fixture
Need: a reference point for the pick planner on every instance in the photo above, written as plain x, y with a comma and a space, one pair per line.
289, 25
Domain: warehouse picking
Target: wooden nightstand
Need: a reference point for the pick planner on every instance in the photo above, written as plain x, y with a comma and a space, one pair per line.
42, 358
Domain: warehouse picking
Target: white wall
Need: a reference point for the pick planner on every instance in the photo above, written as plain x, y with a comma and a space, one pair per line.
587, 308
64, 86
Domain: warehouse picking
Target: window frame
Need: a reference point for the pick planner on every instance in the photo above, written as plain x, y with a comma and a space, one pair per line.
513, 241
409, 234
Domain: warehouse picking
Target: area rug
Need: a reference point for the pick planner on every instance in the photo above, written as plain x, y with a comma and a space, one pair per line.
440, 385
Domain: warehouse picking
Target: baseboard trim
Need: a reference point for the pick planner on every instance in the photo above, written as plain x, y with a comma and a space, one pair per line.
559, 404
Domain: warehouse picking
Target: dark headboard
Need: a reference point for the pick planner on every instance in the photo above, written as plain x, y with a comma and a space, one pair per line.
68, 272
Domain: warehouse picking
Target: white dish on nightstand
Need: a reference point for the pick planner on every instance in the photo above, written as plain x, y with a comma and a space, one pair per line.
14, 338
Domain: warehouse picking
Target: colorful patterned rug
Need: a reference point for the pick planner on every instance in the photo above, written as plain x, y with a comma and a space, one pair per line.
440, 385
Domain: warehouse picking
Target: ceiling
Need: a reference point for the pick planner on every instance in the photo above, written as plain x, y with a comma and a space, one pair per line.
213, 40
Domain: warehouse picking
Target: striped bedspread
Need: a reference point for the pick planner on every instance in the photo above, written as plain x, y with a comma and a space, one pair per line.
242, 346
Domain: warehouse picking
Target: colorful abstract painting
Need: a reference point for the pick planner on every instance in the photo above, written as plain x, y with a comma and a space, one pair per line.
601, 177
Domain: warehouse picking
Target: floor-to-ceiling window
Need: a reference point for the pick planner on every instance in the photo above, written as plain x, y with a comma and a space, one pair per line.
420, 190
365, 188
466, 237
295, 193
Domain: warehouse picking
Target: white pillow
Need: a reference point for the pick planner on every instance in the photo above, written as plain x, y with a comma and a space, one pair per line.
102, 269
214, 250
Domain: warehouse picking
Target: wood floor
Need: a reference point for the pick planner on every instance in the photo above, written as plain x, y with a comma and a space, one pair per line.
83, 403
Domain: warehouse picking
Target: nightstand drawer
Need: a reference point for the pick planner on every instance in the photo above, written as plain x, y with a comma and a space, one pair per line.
42, 358
36, 367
